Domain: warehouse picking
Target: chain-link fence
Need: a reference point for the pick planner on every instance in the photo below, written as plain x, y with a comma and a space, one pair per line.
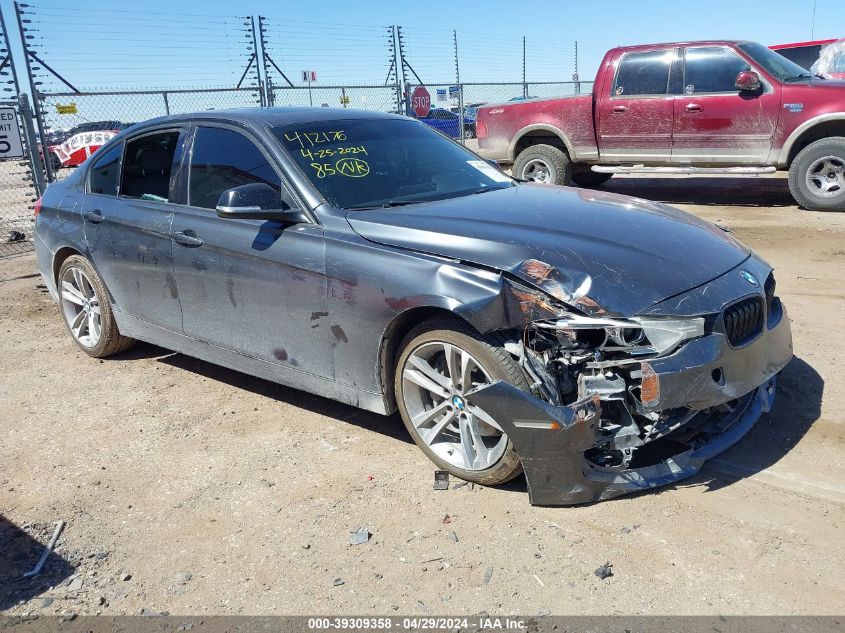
360, 97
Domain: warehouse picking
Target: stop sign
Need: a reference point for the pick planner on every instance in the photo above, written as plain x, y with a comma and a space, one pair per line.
421, 101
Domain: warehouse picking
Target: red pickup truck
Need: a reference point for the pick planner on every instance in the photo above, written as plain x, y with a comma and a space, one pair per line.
691, 107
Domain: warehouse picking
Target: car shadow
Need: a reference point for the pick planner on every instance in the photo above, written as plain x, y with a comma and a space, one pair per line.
796, 407
710, 191
20, 551
391, 426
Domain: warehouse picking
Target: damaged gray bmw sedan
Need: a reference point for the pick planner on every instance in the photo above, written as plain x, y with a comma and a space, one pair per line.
599, 343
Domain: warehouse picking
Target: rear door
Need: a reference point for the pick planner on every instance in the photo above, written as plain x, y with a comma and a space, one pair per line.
634, 118
715, 122
127, 215
250, 286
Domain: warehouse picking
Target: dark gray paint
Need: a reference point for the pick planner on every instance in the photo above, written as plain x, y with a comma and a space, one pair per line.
313, 305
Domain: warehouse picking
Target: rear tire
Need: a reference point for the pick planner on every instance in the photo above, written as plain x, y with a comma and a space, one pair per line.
586, 177
817, 175
86, 308
491, 458
543, 163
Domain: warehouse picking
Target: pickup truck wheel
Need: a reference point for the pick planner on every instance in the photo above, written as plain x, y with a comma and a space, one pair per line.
817, 175
588, 178
543, 163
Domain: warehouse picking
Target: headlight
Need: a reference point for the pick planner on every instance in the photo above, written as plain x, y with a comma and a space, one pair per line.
666, 334
638, 334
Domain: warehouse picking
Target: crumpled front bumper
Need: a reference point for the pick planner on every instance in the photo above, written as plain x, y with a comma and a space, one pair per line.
551, 442
704, 373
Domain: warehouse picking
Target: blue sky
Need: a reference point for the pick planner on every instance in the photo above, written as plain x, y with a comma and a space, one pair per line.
99, 44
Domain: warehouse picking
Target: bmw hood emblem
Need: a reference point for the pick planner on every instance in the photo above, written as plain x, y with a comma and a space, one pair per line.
749, 278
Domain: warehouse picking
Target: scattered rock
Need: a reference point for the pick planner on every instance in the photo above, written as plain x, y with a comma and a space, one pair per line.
488, 574
101, 555
605, 571
306, 546
625, 530
184, 579
447, 519
46, 602
67, 616
454, 537
338, 582
102, 601
126, 577
75, 584
359, 536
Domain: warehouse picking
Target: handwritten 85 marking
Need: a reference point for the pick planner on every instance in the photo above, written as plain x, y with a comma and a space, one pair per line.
350, 167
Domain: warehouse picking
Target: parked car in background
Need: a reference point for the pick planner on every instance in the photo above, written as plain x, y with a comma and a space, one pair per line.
691, 107
449, 123
365, 258
74, 146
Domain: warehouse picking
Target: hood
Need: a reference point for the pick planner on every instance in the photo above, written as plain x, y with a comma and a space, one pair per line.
605, 253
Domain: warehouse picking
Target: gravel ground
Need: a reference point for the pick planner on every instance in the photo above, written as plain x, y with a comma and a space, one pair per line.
191, 489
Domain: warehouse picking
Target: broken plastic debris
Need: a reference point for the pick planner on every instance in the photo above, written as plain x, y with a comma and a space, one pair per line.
605, 571
441, 480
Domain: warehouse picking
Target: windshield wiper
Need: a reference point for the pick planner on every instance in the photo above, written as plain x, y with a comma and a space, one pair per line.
384, 205
801, 76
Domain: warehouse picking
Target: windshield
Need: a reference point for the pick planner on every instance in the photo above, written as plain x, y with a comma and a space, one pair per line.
365, 163
774, 63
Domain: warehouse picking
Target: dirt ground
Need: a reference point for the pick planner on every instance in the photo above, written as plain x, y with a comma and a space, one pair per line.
191, 489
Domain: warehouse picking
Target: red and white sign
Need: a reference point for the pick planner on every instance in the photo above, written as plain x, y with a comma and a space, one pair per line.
421, 101
309, 76
78, 147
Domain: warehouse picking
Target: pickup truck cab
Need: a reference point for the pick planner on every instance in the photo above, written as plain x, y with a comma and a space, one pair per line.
691, 107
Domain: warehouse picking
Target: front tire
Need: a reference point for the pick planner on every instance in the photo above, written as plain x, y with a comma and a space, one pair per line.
817, 175
441, 362
543, 163
85, 306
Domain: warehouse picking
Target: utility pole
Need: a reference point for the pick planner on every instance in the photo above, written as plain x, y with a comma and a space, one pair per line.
460, 87
270, 99
577, 75
36, 98
524, 83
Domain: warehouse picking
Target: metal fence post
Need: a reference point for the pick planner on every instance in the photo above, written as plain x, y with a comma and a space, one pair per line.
460, 88
36, 99
577, 77
166, 103
524, 83
32, 145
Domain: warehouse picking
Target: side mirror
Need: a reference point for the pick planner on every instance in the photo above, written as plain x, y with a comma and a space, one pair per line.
257, 201
748, 81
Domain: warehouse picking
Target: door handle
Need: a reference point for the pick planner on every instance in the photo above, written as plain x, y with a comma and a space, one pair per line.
620, 109
94, 217
186, 238
694, 107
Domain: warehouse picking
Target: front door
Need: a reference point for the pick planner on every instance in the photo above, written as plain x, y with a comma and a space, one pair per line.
634, 120
127, 215
715, 122
254, 287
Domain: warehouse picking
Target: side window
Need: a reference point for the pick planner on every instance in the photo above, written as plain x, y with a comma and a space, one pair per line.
711, 69
643, 74
103, 177
223, 159
147, 165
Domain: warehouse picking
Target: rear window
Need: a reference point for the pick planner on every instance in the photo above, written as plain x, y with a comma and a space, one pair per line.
643, 74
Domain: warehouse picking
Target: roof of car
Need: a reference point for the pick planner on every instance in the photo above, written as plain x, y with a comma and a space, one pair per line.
685, 44
278, 116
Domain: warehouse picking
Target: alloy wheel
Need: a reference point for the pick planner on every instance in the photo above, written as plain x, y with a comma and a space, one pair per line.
438, 380
826, 176
537, 170
81, 306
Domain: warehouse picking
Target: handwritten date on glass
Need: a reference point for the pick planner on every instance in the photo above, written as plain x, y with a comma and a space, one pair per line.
312, 139
350, 167
325, 152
